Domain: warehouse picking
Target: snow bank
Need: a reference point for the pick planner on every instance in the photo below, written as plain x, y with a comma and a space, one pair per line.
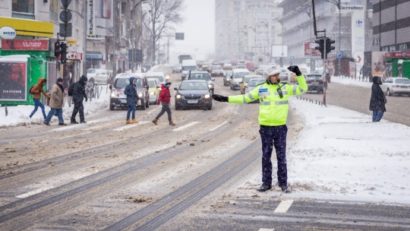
341, 154
20, 114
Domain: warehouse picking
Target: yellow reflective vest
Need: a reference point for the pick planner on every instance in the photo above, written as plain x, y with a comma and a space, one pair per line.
273, 110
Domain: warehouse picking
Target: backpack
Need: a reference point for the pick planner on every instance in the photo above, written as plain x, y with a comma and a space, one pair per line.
71, 89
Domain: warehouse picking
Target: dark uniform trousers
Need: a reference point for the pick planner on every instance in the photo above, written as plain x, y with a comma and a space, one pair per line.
274, 136
78, 108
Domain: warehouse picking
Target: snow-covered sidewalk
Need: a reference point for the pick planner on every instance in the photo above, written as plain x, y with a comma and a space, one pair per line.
340, 154
20, 114
351, 81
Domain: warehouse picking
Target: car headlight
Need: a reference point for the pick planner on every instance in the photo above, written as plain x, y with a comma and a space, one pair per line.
113, 94
207, 96
140, 95
179, 96
210, 85
151, 93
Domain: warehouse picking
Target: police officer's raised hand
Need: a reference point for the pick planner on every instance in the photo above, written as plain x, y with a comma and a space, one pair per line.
295, 69
220, 98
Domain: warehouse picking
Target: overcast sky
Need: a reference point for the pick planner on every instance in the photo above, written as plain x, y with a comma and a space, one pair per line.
199, 28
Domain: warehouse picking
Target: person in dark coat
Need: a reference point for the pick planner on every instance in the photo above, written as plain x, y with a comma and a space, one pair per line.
377, 100
165, 99
132, 97
78, 97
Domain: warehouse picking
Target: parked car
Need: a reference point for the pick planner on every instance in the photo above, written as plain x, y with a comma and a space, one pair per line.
154, 89
315, 83
203, 75
159, 76
193, 93
236, 78
100, 76
117, 96
245, 81
396, 86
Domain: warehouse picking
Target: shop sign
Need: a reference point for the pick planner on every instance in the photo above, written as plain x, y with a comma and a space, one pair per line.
75, 56
25, 44
7, 32
398, 55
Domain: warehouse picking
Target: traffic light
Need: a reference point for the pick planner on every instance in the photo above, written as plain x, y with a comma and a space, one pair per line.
329, 46
63, 53
57, 49
320, 46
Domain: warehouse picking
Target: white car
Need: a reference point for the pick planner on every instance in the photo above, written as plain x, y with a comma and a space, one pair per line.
397, 85
159, 76
236, 78
98, 76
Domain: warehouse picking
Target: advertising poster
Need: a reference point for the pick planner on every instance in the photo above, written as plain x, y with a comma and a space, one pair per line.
106, 8
13, 81
378, 64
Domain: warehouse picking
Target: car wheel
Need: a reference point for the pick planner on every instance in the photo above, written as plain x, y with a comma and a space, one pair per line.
143, 105
210, 107
147, 104
111, 107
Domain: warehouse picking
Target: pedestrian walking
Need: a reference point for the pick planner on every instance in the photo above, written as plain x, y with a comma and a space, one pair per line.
132, 99
78, 97
165, 100
56, 103
273, 112
36, 92
377, 100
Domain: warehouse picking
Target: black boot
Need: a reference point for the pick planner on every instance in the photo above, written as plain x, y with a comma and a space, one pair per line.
285, 189
264, 187
73, 121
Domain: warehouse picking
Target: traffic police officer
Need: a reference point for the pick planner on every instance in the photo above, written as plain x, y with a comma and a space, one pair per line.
273, 113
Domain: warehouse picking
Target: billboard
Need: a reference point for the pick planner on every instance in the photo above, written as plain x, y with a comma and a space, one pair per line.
310, 50
13, 81
279, 51
378, 64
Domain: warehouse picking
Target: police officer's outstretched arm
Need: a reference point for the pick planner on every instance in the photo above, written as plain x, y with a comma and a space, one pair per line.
238, 99
301, 87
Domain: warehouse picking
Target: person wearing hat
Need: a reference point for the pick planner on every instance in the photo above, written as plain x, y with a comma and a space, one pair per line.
273, 112
56, 103
165, 100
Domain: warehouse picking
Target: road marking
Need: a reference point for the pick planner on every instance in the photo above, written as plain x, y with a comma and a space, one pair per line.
263, 229
78, 134
34, 192
68, 127
126, 127
221, 125
283, 206
185, 126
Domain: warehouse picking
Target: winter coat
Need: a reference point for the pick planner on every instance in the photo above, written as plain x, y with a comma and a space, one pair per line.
37, 89
79, 90
131, 92
164, 95
56, 97
378, 99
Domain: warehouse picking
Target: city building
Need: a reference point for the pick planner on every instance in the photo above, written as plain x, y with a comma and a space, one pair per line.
246, 30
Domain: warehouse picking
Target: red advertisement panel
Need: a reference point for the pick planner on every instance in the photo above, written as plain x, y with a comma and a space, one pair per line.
25, 44
13, 81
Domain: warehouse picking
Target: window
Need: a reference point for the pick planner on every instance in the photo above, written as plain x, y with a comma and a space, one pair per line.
23, 9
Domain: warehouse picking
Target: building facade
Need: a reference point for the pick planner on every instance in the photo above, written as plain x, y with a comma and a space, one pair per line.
246, 29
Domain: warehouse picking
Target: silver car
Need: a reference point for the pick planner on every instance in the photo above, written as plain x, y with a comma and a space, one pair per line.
396, 86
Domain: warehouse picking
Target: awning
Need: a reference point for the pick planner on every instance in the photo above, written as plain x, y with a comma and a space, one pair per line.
94, 56
27, 27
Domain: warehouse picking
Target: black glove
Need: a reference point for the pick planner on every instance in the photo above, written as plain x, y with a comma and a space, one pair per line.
295, 69
220, 98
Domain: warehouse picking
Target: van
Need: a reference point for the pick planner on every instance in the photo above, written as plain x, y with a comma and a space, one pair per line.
117, 97
187, 66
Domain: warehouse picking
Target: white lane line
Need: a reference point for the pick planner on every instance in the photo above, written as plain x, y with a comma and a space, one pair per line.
185, 126
283, 206
79, 134
221, 125
54, 182
68, 127
126, 127
263, 229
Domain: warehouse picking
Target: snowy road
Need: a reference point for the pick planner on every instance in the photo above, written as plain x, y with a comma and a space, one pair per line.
202, 174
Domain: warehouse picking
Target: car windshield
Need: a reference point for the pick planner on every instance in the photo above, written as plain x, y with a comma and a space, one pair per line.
313, 77
187, 85
121, 82
403, 81
159, 78
152, 83
255, 82
189, 68
200, 76
89, 71
239, 74
246, 79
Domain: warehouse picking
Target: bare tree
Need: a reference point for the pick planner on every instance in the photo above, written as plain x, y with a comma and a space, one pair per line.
162, 15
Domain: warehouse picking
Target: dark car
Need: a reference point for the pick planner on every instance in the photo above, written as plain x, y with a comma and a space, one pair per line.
193, 94
117, 96
203, 75
315, 83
